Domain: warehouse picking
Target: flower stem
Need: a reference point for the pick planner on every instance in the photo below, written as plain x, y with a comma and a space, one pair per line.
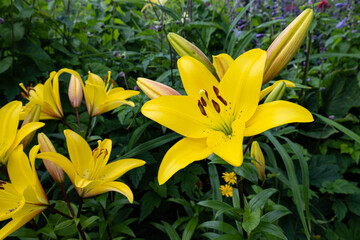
306, 66
78, 118
64, 122
248, 144
51, 208
88, 127
79, 227
66, 199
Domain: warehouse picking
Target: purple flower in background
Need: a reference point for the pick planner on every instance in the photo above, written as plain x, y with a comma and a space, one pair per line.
341, 24
1, 20
115, 53
308, 79
340, 5
322, 88
260, 35
238, 33
331, 117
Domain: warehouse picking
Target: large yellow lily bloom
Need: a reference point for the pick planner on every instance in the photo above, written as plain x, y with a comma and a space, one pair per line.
23, 198
10, 136
88, 170
101, 96
215, 116
47, 96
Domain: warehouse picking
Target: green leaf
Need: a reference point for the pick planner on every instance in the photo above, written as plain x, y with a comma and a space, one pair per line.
6, 31
171, 232
271, 229
149, 145
340, 209
277, 211
159, 189
5, 64
259, 200
220, 226
63, 224
247, 171
42, 60
89, 221
149, 201
251, 219
341, 186
353, 202
340, 127
323, 168
190, 228
123, 228
293, 183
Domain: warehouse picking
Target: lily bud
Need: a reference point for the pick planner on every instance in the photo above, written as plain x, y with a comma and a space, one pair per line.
276, 93
284, 47
33, 116
54, 170
267, 90
75, 92
185, 48
155, 89
257, 154
221, 63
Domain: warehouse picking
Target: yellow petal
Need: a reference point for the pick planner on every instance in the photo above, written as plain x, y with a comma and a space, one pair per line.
273, 114
182, 154
94, 95
9, 121
257, 154
112, 186
61, 161
52, 104
222, 63
11, 201
117, 168
18, 222
267, 90
80, 153
179, 113
242, 83
228, 147
195, 76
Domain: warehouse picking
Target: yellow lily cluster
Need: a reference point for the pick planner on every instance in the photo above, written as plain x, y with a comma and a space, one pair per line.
100, 96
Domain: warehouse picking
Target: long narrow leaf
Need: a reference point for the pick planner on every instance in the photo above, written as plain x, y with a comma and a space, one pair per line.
171, 232
294, 186
190, 228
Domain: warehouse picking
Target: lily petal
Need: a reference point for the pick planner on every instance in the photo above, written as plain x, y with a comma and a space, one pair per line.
112, 186
80, 153
182, 154
222, 63
274, 114
229, 148
195, 76
16, 223
9, 121
179, 113
117, 168
242, 83
61, 161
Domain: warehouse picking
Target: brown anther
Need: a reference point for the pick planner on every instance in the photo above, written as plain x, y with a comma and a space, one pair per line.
202, 109
24, 95
216, 91
203, 102
216, 106
1, 183
113, 83
206, 93
222, 100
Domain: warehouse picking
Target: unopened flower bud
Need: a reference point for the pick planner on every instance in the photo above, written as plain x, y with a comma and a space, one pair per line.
284, 47
75, 92
185, 48
54, 170
33, 116
155, 89
259, 161
271, 88
276, 93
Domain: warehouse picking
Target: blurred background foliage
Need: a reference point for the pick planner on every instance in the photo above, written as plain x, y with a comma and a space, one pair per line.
121, 36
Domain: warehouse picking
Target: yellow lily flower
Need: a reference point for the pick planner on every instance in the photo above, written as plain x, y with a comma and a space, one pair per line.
47, 96
88, 170
101, 96
23, 197
215, 116
10, 136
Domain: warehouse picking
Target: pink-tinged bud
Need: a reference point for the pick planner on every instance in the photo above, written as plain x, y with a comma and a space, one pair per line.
284, 47
75, 92
54, 170
155, 89
185, 48
221, 63
257, 154
33, 116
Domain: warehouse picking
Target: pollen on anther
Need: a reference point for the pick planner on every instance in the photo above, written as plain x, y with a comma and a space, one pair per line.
216, 106
222, 100
201, 107
216, 91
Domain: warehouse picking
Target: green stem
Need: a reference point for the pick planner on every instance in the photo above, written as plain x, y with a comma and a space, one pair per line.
88, 127
64, 122
306, 66
51, 208
78, 118
66, 199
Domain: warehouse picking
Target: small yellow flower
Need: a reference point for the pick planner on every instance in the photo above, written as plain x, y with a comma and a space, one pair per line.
226, 190
229, 178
